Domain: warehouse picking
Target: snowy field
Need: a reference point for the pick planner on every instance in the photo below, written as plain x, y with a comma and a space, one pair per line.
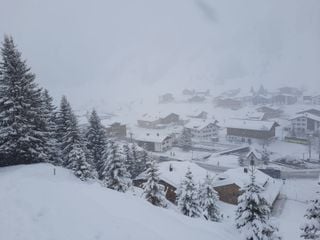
36, 205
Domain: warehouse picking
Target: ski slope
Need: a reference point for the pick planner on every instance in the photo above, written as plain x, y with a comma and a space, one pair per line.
37, 205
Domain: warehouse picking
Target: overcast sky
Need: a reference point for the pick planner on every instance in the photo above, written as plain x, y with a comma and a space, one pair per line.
104, 49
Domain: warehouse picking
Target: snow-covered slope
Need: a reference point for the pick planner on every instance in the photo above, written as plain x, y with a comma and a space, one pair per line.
36, 205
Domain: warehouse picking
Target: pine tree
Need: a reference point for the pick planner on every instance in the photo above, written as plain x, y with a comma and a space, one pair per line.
188, 201
78, 163
208, 200
311, 229
50, 127
21, 137
185, 140
95, 141
253, 213
73, 150
114, 172
129, 162
153, 190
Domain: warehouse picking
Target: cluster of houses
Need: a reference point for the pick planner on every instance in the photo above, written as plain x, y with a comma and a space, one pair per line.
228, 184
235, 99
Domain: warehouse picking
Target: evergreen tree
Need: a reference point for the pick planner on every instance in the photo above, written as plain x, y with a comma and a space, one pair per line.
253, 212
114, 172
129, 162
311, 229
208, 200
73, 150
95, 141
50, 127
78, 163
188, 201
21, 137
185, 140
153, 190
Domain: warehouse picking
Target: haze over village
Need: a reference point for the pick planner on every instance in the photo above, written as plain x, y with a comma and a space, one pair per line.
173, 119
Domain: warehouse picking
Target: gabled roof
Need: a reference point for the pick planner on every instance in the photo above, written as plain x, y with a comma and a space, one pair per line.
251, 124
199, 124
150, 137
311, 111
179, 170
241, 178
307, 115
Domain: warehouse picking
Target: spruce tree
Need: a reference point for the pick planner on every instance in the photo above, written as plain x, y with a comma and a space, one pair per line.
185, 140
253, 213
153, 190
208, 200
95, 140
21, 137
311, 229
50, 127
73, 150
78, 163
130, 164
114, 172
188, 201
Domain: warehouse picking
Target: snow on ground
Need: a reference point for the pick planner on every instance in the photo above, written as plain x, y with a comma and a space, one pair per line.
231, 161
36, 205
179, 154
297, 192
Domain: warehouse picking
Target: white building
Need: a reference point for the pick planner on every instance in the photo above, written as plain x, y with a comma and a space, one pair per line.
316, 100
154, 142
203, 129
305, 123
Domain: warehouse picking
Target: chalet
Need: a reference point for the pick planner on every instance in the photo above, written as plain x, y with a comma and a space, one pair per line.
201, 115
172, 118
116, 130
229, 185
151, 122
171, 173
284, 99
228, 103
311, 111
148, 121
305, 123
154, 142
269, 113
248, 130
261, 99
203, 129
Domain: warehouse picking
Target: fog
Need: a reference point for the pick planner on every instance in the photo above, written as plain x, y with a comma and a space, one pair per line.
106, 52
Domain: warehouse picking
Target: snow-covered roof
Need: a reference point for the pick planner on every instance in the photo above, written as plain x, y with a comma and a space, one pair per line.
179, 170
148, 117
150, 137
307, 115
240, 177
249, 124
198, 123
255, 152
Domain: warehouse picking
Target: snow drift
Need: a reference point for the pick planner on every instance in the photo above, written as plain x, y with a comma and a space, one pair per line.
37, 205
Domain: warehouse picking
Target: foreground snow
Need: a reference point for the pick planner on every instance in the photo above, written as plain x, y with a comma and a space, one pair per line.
35, 204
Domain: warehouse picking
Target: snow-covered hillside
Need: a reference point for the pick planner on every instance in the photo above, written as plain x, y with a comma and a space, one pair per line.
36, 205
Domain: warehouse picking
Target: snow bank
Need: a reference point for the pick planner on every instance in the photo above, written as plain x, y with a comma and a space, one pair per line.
36, 205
